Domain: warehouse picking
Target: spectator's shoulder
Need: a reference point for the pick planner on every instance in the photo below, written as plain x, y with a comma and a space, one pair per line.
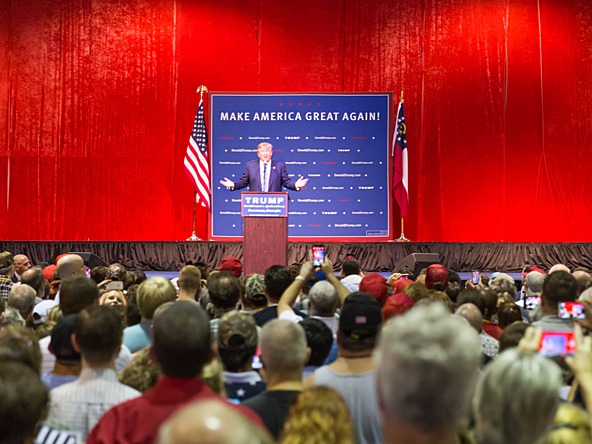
117, 422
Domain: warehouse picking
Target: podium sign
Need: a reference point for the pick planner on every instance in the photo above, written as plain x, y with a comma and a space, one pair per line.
255, 204
265, 241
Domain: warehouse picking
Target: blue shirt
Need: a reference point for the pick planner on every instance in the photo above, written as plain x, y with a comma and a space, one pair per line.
52, 381
137, 336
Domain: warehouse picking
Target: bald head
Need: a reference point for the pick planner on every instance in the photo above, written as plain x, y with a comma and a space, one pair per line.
472, 314
559, 267
21, 264
214, 422
70, 265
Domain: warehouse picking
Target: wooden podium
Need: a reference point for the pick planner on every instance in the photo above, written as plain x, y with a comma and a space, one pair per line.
265, 230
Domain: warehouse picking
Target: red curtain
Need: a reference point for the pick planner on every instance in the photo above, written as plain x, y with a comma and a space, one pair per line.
97, 98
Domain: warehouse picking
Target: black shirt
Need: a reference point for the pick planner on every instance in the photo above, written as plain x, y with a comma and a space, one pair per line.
273, 407
268, 313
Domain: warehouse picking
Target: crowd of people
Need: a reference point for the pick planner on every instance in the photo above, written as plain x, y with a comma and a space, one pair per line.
301, 354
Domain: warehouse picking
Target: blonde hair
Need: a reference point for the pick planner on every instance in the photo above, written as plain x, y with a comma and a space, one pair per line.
142, 373
154, 292
570, 426
319, 415
417, 291
119, 293
442, 297
213, 375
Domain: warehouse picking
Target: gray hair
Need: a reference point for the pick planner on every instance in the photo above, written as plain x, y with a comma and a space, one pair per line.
323, 299
427, 364
515, 383
283, 346
21, 297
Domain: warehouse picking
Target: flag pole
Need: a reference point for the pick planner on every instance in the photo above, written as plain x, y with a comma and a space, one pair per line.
402, 237
194, 237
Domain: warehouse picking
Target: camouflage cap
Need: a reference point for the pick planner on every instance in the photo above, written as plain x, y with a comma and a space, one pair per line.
255, 285
237, 331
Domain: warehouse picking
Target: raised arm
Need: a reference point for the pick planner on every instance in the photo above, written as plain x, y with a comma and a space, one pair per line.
342, 292
289, 296
581, 366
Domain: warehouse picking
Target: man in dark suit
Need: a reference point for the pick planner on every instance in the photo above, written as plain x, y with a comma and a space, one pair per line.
265, 174
21, 264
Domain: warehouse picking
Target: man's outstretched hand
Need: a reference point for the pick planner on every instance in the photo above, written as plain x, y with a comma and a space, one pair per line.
301, 182
227, 183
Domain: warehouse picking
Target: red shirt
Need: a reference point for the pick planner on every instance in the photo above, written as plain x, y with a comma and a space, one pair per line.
492, 329
137, 421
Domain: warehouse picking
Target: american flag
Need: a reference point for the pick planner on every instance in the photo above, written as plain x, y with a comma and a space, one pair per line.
400, 176
196, 159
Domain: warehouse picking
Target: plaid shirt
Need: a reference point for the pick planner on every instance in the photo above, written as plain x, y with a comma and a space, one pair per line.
5, 286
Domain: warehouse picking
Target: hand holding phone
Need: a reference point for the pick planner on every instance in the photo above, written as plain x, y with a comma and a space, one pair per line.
557, 343
318, 255
530, 302
475, 277
114, 285
569, 310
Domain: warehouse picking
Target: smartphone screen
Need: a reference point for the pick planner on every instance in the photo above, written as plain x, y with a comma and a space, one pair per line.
530, 302
114, 285
404, 276
567, 310
557, 343
318, 255
256, 363
475, 277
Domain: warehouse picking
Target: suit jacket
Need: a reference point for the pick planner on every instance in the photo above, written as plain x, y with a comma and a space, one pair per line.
278, 177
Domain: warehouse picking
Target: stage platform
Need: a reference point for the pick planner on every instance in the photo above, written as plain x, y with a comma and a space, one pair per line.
374, 256
463, 275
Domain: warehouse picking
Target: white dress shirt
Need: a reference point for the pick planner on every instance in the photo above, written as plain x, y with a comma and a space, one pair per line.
265, 178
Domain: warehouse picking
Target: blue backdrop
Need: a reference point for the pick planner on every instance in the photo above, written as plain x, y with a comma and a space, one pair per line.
339, 141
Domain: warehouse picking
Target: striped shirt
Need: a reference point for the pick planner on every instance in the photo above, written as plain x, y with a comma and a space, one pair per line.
47, 435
